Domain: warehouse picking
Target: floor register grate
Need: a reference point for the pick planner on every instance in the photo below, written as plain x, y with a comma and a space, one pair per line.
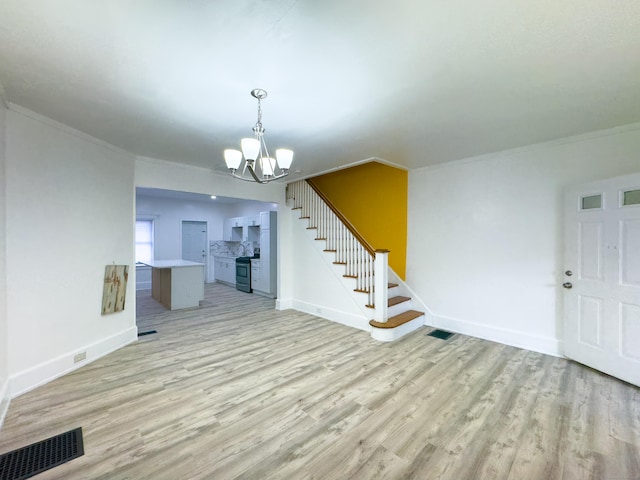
150, 332
440, 334
33, 459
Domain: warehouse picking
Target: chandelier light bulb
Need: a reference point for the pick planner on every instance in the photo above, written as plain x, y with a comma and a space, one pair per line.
267, 165
250, 148
233, 158
284, 157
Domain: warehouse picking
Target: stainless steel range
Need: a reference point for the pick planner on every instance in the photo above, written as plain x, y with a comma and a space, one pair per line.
243, 274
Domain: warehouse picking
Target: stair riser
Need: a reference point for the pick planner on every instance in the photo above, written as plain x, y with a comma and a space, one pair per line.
399, 308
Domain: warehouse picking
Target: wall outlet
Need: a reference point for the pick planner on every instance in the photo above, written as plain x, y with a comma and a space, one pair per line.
78, 357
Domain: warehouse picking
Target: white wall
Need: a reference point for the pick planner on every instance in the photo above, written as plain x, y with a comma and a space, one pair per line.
154, 173
251, 207
4, 342
70, 210
485, 248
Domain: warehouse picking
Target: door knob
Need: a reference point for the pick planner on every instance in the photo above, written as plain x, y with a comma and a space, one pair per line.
567, 285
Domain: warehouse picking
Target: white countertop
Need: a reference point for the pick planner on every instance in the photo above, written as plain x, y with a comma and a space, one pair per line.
173, 263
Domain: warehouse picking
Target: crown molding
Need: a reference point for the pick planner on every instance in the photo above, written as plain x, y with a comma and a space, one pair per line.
67, 129
352, 164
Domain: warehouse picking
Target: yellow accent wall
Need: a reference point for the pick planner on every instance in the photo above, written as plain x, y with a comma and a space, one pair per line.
373, 197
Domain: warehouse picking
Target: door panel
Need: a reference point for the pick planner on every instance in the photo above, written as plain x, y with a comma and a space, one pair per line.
630, 253
194, 241
602, 300
590, 321
630, 331
591, 251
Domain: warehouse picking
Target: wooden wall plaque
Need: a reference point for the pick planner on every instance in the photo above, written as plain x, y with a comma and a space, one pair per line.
115, 288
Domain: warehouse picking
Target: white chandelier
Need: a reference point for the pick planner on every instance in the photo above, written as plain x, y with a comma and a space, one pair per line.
262, 168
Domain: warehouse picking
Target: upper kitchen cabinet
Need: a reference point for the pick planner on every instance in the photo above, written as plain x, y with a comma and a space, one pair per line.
233, 229
252, 229
266, 219
252, 221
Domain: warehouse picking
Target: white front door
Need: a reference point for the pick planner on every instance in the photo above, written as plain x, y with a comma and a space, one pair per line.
602, 276
194, 241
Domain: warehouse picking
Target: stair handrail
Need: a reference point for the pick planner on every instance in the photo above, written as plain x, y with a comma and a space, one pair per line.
354, 231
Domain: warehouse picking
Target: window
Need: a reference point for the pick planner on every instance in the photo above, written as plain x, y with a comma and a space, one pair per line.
591, 201
631, 197
144, 241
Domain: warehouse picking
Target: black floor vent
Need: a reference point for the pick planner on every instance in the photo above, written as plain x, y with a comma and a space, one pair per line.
28, 461
440, 334
141, 334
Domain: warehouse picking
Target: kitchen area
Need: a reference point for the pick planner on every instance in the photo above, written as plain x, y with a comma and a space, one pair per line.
234, 240
246, 257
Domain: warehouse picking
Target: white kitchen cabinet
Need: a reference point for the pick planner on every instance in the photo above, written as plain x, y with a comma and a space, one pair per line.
225, 270
255, 273
251, 234
265, 219
252, 221
267, 277
233, 229
226, 229
251, 229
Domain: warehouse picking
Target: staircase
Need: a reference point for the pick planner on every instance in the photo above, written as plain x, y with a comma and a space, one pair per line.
389, 303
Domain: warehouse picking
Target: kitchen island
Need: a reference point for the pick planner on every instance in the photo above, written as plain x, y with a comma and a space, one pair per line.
177, 284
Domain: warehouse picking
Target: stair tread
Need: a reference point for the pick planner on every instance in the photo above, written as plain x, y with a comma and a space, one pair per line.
392, 301
397, 320
396, 300
391, 285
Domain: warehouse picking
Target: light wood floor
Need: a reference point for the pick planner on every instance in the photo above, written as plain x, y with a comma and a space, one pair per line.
235, 389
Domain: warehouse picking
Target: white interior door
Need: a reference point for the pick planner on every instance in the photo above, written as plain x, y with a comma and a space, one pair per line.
602, 276
194, 241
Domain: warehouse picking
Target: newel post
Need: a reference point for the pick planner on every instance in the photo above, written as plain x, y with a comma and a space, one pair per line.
381, 285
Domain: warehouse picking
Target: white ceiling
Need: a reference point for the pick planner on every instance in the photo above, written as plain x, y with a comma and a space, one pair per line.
412, 82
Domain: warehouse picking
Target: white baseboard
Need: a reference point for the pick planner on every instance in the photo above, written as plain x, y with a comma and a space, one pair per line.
34, 377
4, 400
285, 304
344, 318
546, 345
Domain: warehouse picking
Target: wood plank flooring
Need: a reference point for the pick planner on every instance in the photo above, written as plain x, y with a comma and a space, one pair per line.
237, 390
